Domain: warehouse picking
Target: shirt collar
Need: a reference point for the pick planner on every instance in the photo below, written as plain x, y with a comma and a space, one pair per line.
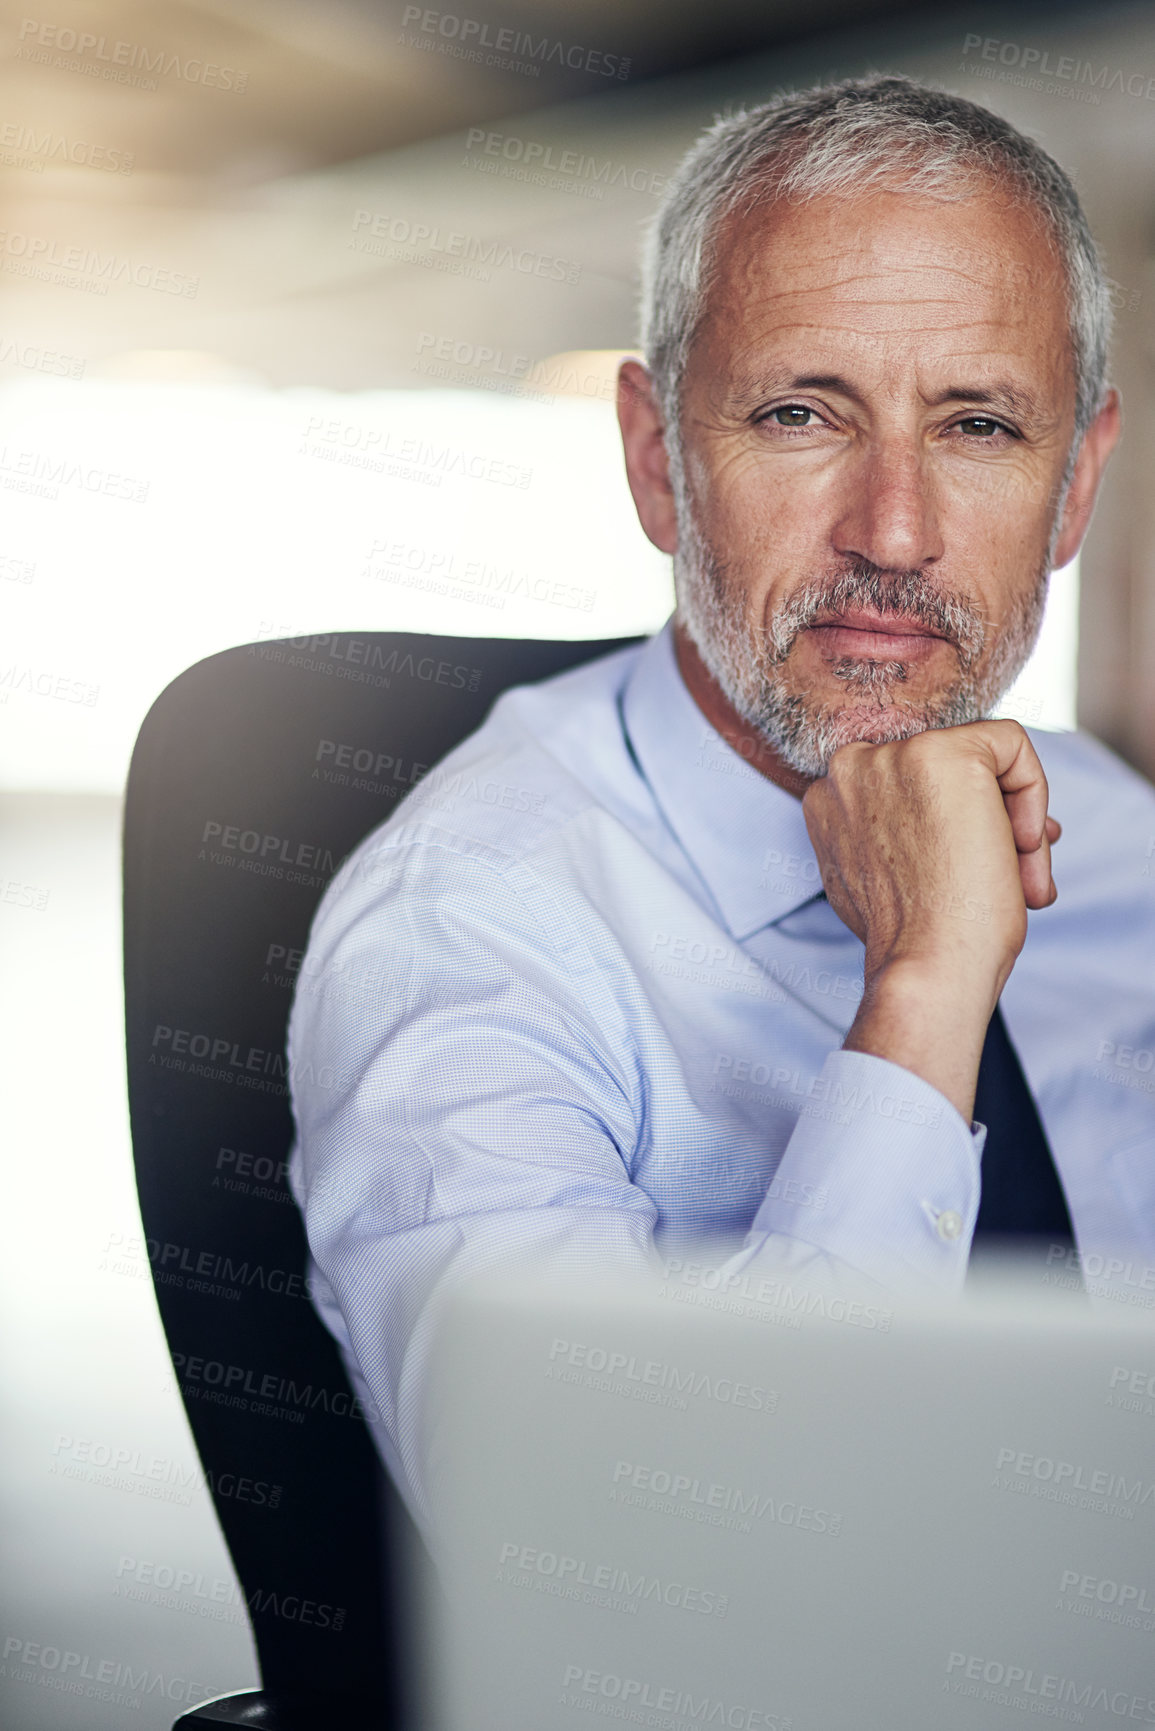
745, 835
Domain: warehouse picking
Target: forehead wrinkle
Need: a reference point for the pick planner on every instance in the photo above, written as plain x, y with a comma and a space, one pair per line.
865, 254
844, 322
761, 301
882, 272
864, 280
811, 303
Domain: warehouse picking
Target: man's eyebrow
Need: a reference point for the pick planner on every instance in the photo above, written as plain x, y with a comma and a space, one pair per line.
1017, 399
751, 389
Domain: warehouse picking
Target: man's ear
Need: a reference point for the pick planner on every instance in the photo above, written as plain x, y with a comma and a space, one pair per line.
647, 460
1098, 443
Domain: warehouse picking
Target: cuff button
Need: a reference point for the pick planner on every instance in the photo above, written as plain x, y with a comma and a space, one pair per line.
949, 1225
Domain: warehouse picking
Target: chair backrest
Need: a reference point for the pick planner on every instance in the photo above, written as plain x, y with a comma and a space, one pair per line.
255, 773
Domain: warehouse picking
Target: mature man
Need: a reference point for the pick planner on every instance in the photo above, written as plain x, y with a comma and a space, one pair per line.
733, 959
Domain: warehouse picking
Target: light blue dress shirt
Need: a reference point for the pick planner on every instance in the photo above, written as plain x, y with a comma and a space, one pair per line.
580, 996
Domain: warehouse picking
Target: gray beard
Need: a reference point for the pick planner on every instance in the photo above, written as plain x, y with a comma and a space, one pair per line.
748, 660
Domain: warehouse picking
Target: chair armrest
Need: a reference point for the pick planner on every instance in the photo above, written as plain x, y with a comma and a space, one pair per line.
278, 1710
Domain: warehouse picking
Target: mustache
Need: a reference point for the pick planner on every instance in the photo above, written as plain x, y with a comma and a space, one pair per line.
908, 594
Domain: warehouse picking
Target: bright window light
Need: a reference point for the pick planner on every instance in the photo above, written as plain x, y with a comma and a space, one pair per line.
151, 523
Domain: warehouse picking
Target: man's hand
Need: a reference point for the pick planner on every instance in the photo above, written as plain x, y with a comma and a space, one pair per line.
931, 850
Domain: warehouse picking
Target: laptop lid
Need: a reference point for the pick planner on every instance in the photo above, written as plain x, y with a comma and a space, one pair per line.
678, 1503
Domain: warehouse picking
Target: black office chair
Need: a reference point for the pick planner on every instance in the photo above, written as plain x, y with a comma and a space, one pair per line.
255, 773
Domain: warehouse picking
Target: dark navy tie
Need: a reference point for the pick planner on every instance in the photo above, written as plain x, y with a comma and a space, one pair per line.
1022, 1198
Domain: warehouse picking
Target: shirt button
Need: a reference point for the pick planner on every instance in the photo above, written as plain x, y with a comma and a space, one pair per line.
949, 1225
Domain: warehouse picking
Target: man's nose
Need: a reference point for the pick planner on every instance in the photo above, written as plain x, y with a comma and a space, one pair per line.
889, 515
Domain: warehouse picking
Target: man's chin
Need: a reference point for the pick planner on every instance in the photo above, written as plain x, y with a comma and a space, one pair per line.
878, 724
806, 736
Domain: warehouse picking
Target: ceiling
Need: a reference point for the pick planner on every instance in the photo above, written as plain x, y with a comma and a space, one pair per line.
304, 84
334, 192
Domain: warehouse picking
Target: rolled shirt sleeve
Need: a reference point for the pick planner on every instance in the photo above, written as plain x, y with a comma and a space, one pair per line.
900, 1172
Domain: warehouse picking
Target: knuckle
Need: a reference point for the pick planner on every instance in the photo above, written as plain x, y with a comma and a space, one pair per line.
1013, 733
928, 743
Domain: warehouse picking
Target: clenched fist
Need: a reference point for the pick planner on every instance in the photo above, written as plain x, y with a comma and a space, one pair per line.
931, 850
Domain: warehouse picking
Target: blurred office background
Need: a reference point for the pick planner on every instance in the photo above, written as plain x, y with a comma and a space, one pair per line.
309, 315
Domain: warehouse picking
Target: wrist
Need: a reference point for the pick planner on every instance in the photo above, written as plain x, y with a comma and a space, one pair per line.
932, 1020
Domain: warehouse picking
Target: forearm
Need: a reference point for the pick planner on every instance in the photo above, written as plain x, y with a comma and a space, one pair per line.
930, 1020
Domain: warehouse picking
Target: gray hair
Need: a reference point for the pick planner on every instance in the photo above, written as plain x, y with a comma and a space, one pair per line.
859, 135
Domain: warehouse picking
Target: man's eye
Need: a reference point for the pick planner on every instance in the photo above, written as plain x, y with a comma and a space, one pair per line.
980, 426
791, 415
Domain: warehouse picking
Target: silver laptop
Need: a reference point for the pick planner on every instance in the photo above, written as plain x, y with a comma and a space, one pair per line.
682, 1503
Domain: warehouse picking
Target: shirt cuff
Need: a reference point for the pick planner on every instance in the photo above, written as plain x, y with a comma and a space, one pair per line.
881, 1172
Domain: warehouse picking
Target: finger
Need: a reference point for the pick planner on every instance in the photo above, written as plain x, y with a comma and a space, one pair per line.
1025, 793
1037, 880
1020, 776
1035, 875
